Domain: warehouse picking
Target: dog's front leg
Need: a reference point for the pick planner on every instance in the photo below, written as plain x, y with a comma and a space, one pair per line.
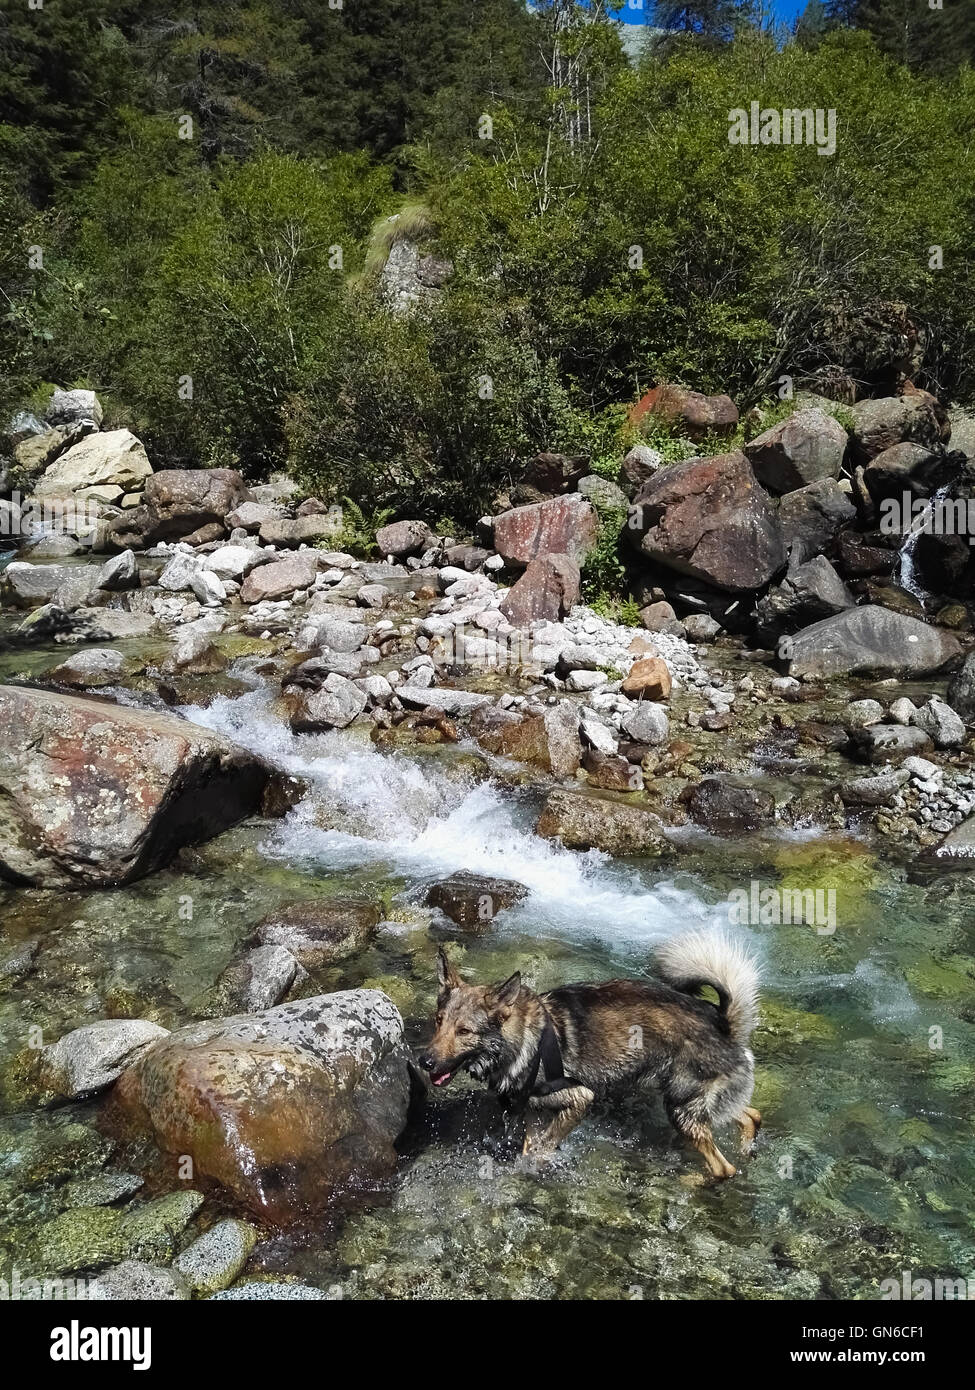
551, 1118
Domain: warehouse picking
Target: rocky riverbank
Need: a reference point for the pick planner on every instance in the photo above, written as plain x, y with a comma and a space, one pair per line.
212, 706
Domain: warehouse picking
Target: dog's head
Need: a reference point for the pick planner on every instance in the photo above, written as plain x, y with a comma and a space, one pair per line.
468, 1027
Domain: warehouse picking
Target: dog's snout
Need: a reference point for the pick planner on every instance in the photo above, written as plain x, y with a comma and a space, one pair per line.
426, 1061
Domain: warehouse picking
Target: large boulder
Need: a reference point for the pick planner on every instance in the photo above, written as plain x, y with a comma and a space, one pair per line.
302, 530
283, 1108
696, 415
711, 519
101, 465
879, 424
871, 641
915, 469
552, 474
546, 591
94, 794
809, 445
561, 526
811, 517
180, 502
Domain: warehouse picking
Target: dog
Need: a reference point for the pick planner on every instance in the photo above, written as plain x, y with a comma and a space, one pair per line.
553, 1054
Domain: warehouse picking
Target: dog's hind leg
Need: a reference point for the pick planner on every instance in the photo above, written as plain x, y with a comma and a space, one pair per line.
698, 1131
749, 1122
566, 1107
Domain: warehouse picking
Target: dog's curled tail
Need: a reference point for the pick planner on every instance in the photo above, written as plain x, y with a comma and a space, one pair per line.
715, 957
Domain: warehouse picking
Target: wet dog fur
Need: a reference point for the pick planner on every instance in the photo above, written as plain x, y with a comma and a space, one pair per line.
613, 1036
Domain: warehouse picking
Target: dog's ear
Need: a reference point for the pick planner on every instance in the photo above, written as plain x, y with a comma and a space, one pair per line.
446, 974
503, 995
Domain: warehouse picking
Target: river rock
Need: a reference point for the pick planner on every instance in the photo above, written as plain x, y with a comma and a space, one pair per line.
215, 1259
944, 727
302, 530
258, 979
888, 743
648, 679
284, 1107
878, 790
119, 572
89, 669
551, 474
809, 445
726, 809
879, 424
646, 723
549, 739
611, 772
115, 460
639, 464
589, 821
961, 689
180, 502
810, 590
322, 931
711, 519
473, 900
604, 495
547, 591
404, 538
92, 1057
870, 641
137, 1281
94, 794
279, 579
561, 526
251, 516
440, 698
906, 468
334, 705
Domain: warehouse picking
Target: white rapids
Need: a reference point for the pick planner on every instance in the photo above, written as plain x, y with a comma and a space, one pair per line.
423, 821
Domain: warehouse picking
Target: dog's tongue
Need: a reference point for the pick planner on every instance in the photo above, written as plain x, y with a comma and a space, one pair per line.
443, 1078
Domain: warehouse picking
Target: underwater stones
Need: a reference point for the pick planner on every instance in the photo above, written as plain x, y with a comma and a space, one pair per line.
582, 821
97, 794
52, 1154
321, 931
258, 979
281, 1107
870, 641
90, 1058
152, 1229
726, 809
82, 1238
215, 1259
473, 900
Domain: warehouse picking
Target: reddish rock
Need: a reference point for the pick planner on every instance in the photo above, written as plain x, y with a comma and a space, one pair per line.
561, 526
697, 414
611, 772
711, 519
94, 794
546, 591
178, 501
550, 740
279, 579
648, 679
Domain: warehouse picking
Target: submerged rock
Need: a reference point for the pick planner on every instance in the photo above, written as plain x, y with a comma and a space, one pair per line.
90, 1058
93, 793
138, 1281
323, 931
215, 1259
283, 1107
727, 809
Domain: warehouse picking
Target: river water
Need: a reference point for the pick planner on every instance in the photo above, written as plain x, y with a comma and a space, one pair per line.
865, 1057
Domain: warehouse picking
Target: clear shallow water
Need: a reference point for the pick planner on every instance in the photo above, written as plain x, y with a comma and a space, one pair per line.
865, 1167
